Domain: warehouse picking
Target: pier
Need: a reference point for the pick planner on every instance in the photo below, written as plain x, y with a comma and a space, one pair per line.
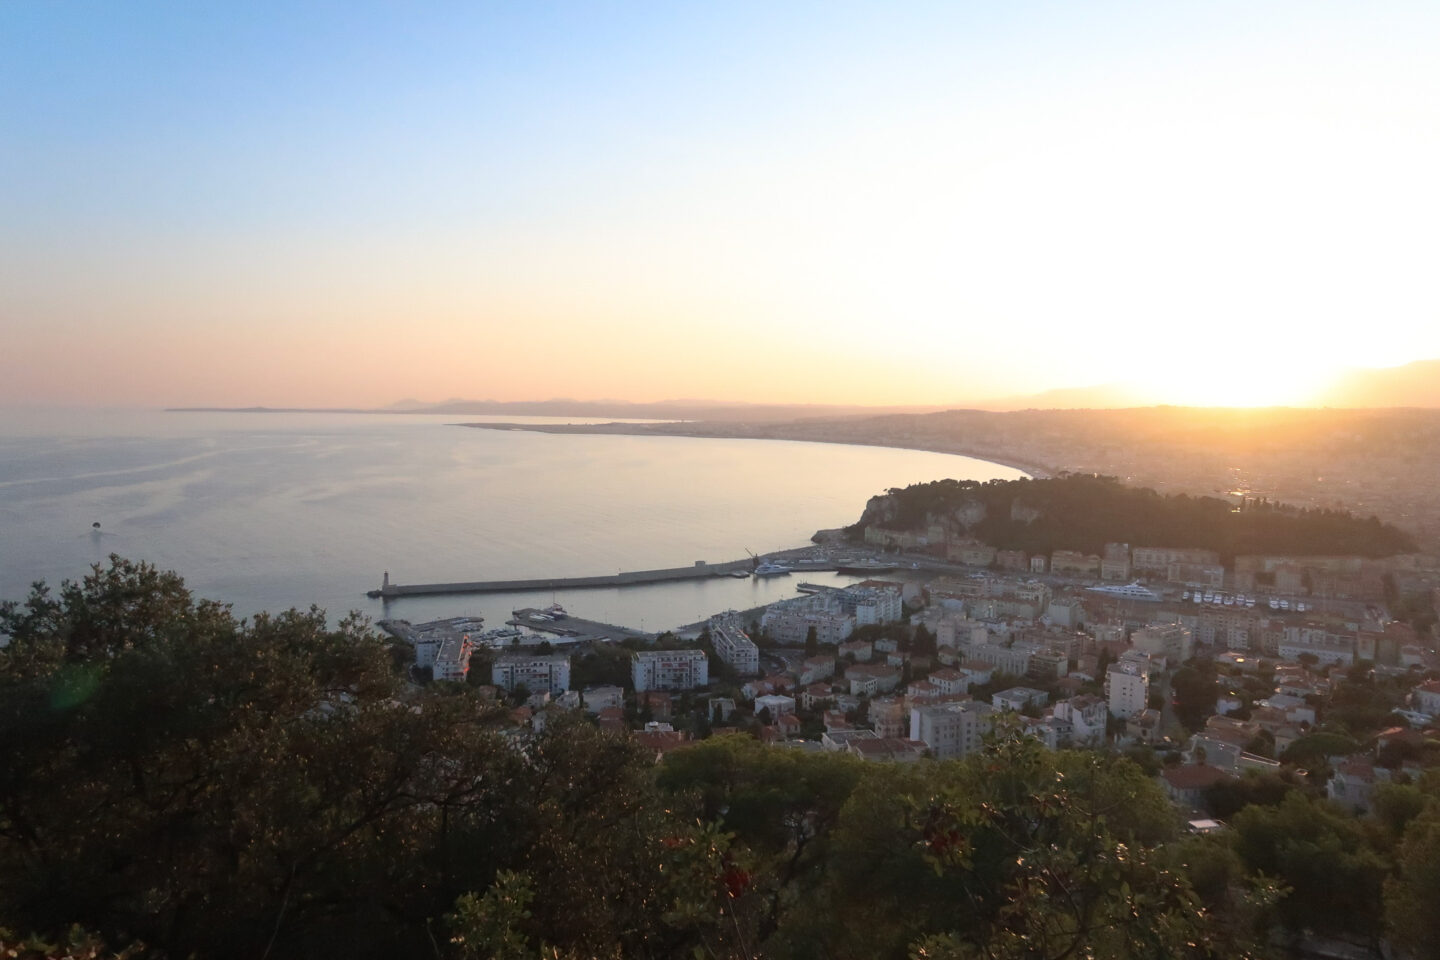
699, 571
575, 628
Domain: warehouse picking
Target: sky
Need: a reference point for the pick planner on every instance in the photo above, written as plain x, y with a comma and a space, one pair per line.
344, 204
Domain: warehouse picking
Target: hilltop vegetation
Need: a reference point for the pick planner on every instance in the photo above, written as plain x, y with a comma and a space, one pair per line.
1083, 512
182, 784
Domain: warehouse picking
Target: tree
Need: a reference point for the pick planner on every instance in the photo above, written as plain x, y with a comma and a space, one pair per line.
1332, 875
923, 644
812, 642
781, 804
1412, 893
1194, 694
1054, 864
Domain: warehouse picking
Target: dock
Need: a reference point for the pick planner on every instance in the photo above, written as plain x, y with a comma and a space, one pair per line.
699, 571
577, 629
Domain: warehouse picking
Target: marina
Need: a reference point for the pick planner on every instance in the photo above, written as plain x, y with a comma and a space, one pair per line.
572, 629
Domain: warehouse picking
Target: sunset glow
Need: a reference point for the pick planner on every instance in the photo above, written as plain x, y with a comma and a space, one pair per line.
840, 203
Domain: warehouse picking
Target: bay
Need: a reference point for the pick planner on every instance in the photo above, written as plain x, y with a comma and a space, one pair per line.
266, 511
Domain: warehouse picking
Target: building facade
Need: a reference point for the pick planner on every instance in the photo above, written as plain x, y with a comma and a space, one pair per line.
951, 729
669, 670
536, 673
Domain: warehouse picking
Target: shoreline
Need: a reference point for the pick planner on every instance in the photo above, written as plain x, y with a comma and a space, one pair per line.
1033, 470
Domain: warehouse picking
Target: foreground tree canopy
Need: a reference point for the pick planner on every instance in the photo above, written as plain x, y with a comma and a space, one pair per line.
179, 783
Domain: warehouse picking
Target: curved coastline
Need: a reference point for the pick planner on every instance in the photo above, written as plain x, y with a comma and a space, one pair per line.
1033, 470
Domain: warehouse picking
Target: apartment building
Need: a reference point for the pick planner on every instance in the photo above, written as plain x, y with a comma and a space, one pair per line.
535, 673
951, 729
669, 670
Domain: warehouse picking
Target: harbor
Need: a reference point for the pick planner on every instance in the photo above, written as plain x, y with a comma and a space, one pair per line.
699, 571
763, 566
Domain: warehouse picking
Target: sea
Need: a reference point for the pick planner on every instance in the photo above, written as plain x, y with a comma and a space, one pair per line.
268, 511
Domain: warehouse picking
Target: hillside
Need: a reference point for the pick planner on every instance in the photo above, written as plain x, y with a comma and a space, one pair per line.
1084, 512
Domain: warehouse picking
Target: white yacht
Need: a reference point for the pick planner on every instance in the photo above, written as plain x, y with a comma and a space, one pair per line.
1131, 591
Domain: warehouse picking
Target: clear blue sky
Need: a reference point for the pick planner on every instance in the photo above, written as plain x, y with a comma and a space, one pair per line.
772, 201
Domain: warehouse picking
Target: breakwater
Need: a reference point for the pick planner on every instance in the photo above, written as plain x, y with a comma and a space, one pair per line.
700, 570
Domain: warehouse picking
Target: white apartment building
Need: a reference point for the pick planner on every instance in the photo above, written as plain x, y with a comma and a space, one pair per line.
1086, 715
733, 646
1014, 660
452, 660
870, 605
951, 729
1127, 688
1018, 698
1158, 559
1326, 650
669, 670
550, 672
790, 621
778, 704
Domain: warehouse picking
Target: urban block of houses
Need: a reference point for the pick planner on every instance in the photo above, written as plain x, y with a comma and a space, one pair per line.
949, 682
815, 669
778, 704
1008, 659
601, 698
868, 680
658, 702
1186, 784
1051, 731
1353, 783
1087, 715
1069, 563
840, 739
1143, 727
1019, 698
1294, 709
1169, 640
888, 717
1426, 698
815, 695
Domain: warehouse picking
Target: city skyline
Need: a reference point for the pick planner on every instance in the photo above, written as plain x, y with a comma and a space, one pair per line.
842, 204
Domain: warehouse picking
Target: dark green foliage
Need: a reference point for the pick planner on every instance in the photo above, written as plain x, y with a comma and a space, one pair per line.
1193, 690
1332, 872
1312, 749
1084, 512
1229, 797
211, 788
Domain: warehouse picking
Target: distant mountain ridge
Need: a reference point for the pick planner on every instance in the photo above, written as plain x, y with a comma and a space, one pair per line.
732, 411
1412, 385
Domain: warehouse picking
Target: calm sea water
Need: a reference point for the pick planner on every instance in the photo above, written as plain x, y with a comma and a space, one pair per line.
269, 511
